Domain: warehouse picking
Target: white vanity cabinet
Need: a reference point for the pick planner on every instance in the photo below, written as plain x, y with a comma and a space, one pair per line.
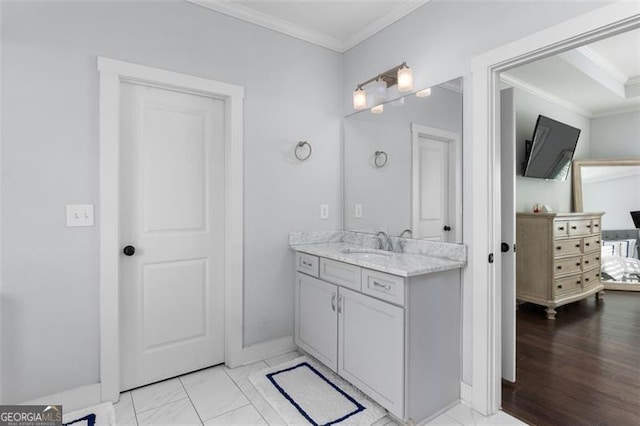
397, 339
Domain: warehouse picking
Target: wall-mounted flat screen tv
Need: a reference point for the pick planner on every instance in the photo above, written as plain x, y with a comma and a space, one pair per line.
549, 153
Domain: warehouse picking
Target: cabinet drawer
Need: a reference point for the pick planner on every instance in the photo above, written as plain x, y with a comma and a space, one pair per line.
591, 260
591, 243
595, 226
560, 228
383, 286
579, 227
566, 266
567, 247
340, 273
307, 263
568, 285
590, 279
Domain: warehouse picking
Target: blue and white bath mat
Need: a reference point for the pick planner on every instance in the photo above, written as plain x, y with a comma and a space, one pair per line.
98, 415
303, 391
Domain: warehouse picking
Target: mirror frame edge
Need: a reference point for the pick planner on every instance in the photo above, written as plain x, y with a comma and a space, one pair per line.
577, 175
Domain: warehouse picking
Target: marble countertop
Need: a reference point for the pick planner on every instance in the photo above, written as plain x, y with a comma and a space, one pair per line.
401, 264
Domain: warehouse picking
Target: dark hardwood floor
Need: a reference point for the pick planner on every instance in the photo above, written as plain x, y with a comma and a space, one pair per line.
581, 369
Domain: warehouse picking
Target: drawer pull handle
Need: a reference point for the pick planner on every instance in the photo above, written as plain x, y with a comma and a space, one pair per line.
597, 258
559, 267
586, 261
574, 227
578, 282
333, 302
340, 304
598, 242
577, 245
578, 264
587, 244
596, 225
559, 286
385, 286
588, 226
558, 247
305, 263
597, 275
560, 228
586, 279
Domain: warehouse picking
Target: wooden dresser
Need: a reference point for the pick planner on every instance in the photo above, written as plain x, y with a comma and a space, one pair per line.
557, 258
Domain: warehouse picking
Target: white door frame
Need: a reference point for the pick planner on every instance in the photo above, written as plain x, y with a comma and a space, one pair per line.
112, 74
455, 166
485, 232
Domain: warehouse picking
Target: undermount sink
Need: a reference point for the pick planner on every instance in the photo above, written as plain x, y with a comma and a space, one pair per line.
367, 253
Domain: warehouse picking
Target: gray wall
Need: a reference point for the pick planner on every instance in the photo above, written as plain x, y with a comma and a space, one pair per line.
438, 41
616, 136
556, 194
49, 299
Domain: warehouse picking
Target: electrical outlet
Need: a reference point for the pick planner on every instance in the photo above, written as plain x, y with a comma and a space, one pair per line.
324, 211
358, 212
79, 215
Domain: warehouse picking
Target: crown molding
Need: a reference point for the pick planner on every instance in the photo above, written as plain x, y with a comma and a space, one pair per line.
606, 66
536, 91
265, 20
289, 28
399, 12
616, 111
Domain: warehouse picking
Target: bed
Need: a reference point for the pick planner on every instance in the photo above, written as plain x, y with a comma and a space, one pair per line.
621, 259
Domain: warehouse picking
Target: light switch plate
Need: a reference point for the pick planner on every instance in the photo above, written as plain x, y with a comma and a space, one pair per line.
358, 212
324, 211
79, 215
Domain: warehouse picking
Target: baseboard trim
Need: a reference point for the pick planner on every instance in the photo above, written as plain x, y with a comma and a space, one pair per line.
73, 399
264, 350
466, 393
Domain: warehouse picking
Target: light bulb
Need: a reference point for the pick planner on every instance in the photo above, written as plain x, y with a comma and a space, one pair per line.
379, 91
424, 93
378, 109
359, 98
405, 79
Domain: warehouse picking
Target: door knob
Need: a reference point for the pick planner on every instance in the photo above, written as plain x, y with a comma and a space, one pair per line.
447, 228
129, 250
504, 247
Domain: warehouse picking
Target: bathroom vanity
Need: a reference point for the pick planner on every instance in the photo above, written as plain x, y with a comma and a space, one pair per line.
387, 322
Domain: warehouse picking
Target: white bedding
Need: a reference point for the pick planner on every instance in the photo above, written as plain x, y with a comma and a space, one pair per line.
619, 268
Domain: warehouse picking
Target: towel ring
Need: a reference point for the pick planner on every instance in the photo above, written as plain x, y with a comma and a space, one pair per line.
300, 145
380, 159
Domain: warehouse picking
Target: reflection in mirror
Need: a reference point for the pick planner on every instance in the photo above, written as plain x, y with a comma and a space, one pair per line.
420, 186
609, 186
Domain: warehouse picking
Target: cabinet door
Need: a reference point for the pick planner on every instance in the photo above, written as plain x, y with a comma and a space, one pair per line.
316, 319
371, 348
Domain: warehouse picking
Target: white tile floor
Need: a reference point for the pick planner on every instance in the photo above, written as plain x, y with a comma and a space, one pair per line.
221, 396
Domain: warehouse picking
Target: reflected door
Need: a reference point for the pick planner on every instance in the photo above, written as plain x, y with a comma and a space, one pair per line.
433, 184
172, 212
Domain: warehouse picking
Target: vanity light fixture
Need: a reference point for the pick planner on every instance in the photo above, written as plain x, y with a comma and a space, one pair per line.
400, 76
424, 93
378, 109
405, 78
359, 98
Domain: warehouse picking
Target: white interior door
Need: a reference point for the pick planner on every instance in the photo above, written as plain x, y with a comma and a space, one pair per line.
172, 212
508, 193
434, 184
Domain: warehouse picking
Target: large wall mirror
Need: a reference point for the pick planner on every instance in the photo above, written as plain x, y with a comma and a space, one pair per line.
609, 186
403, 166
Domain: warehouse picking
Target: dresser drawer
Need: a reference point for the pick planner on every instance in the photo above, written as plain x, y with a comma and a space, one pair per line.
595, 226
570, 265
590, 278
340, 273
560, 228
591, 260
307, 264
567, 247
579, 227
568, 285
591, 243
383, 286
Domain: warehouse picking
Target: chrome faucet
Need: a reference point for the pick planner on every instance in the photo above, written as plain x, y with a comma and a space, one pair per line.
385, 243
406, 231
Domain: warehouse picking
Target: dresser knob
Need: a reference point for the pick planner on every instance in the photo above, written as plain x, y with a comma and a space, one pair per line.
558, 247
559, 267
